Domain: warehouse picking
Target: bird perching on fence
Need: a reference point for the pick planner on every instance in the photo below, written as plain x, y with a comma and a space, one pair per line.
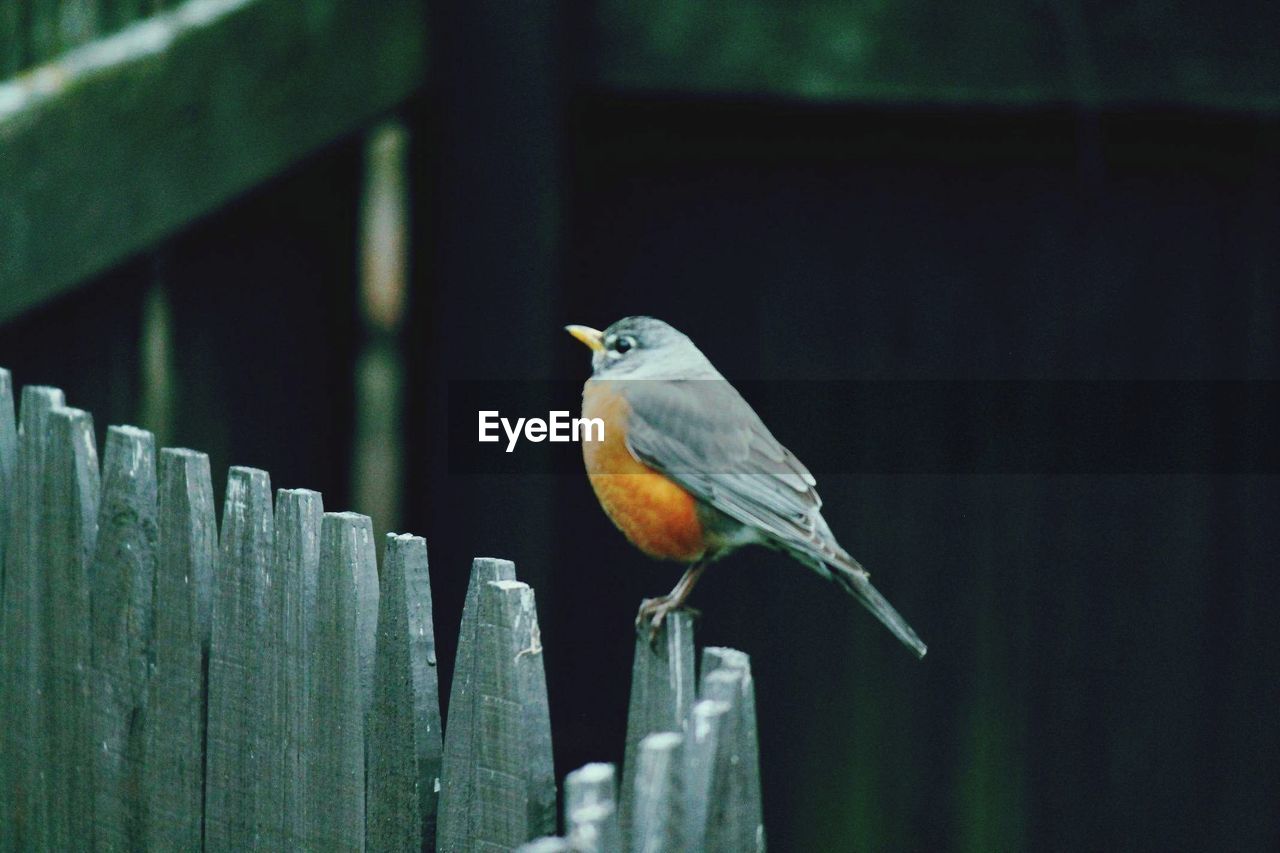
689, 472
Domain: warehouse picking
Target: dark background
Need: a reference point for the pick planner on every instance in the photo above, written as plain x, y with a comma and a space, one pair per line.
1104, 667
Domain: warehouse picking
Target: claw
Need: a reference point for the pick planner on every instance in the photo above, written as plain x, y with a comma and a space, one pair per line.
655, 610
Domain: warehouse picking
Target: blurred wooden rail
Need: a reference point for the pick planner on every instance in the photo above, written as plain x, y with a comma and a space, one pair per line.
171, 683
108, 145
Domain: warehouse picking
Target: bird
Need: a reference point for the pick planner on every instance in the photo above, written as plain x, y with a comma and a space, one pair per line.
688, 471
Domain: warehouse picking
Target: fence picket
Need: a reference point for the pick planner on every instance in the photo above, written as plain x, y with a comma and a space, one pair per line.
460, 730
70, 512
502, 792
173, 743
659, 823
299, 514
591, 809
365, 569
245, 740
122, 583
515, 720
335, 721
23, 734
737, 814
703, 775
405, 746
663, 684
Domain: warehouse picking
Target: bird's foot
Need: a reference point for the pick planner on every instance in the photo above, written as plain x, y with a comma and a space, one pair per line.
653, 611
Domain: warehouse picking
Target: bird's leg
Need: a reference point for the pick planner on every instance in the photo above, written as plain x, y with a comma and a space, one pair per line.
655, 610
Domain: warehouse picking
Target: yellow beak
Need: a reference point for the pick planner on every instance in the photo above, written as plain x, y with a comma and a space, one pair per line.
593, 338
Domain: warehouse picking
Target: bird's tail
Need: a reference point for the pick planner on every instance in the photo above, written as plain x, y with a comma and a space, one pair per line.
850, 575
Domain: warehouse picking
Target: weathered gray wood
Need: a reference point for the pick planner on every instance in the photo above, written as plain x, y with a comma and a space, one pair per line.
365, 570
335, 722
737, 812
503, 793
591, 809
716, 658
405, 745
211, 109
22, 738
460, 725
514, 748
123, 580
299, 514
658, 822
663, 681
246, 734
704, 773
187, 545
70, 509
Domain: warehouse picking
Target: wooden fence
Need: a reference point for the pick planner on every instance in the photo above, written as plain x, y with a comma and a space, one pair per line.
170, 683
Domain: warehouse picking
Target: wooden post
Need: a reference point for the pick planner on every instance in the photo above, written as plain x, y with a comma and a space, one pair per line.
23, 734
377, 479
245, 744
591, 809
123, 582
703, 775
187, 545
299, 514
502, 792
658, 822
663, 681
70, 520
737, 813
404, 740
335, 722
461, 725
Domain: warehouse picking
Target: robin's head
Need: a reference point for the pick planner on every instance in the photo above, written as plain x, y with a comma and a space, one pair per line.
642, 348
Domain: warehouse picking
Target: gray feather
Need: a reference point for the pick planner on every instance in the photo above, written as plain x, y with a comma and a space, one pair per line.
702, 434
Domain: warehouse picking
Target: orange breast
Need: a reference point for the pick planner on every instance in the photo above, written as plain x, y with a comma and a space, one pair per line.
658, 516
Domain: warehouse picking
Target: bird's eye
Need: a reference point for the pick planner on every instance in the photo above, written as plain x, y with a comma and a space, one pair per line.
624, 344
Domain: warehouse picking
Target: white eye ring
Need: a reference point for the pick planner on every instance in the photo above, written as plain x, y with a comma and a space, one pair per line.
623, 344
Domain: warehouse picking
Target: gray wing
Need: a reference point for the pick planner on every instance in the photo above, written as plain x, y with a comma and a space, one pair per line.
703, 435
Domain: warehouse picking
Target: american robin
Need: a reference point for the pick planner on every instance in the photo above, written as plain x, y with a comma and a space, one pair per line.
689, 472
